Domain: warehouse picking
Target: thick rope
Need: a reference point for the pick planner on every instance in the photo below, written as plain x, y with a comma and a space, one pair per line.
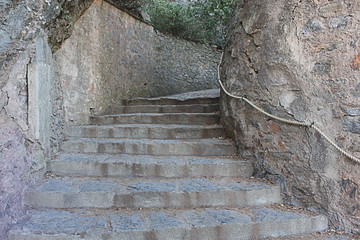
310, 125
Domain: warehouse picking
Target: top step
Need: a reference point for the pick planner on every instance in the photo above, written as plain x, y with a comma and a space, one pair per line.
169, 101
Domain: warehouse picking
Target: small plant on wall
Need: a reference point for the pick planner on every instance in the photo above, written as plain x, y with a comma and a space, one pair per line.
196, 20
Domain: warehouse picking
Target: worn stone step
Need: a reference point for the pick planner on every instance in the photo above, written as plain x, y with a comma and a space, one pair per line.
146, 131
169, 101
157, 118
155, 147
128, 166
195, 224
190, 108
151, 193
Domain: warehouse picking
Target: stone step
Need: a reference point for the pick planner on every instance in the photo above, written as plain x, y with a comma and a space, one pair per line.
154, 147
128, 166
191, 108
195, 224
146, 131
169, 101
157, 118
151, 193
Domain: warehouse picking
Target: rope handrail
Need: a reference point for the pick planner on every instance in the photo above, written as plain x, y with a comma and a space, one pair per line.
293, 122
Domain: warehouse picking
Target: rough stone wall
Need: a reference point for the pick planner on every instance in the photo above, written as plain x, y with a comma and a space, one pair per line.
298, 60
29, 131
112, 55
31, 93
17, 31
15, 161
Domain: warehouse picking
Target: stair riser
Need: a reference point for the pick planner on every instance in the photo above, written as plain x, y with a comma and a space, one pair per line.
234, 231
144, 132
105, 200
97, 169
169, 101
178, 149
165, 109
159, 119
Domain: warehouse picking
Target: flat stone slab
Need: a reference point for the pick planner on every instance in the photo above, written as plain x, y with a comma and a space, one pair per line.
151, 193
209, 224
148, 166
155, 147
146, 131
199, 97
157, 118
210, 93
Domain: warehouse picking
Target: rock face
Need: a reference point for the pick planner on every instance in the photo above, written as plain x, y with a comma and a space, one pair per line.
298, 60
37, 88
112, 55
15, 163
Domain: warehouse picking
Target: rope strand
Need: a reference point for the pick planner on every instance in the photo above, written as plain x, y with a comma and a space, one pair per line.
293, 122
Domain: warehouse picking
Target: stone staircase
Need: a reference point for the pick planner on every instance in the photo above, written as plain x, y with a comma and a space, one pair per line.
156, 169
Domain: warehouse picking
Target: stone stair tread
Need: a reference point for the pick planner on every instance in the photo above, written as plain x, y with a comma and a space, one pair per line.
158, 147
169, 141
157, 118
147, 159
146, 125
123, 165
119, 185
323, 235
172, 105
184, 108
156, 114
204, 223
169, 101
151, 193
146, 131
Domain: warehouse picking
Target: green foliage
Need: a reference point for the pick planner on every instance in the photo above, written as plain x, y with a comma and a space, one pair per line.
215, 16
199, 20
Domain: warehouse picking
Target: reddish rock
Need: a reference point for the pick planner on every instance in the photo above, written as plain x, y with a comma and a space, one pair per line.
355, 65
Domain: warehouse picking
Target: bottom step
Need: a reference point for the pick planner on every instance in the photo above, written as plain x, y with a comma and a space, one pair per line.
209, 224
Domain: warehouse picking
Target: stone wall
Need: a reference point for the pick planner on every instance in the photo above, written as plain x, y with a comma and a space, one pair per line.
33, 92
31, 115
17, 32
112, 55
298, 60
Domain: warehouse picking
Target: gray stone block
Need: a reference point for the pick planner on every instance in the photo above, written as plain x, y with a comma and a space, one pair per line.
127, 222
52, 221
196, 185
161, 220
352, 124
152, 186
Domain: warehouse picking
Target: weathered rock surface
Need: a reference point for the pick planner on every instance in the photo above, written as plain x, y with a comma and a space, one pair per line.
298, 60
15, 163
31, 93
